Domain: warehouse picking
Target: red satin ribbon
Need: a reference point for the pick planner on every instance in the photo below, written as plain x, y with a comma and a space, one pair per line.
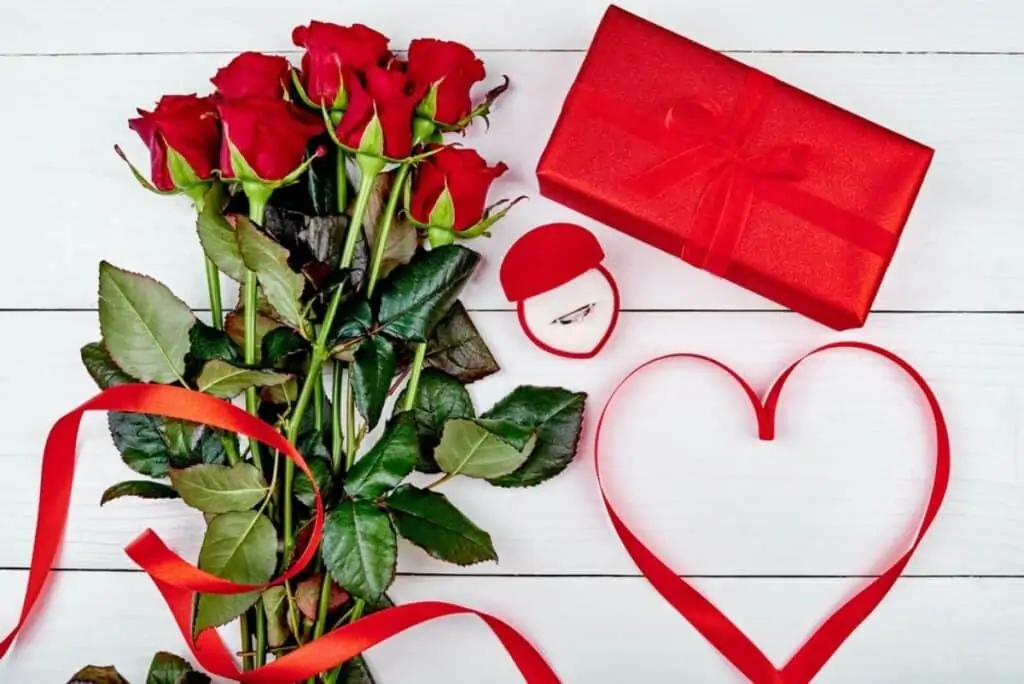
179, 581
705, 143
732, 643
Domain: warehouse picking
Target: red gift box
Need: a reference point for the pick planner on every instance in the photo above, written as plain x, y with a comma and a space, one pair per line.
739, 173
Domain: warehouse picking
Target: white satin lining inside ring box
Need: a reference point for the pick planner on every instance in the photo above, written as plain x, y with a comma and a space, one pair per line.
574, 317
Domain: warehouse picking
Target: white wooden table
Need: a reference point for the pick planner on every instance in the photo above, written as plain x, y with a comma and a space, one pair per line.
776, 534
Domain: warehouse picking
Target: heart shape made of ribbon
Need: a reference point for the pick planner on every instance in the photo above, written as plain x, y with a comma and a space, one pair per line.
705, 617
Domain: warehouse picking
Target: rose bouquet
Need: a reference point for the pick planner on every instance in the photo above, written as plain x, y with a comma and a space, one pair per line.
328, 196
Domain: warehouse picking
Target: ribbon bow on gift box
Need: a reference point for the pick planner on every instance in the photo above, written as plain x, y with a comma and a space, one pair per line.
704, 142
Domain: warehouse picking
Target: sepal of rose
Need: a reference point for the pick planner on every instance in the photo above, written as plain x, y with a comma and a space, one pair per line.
481, 111
247, 176
337, 108
442, 235
372, 142
185, 183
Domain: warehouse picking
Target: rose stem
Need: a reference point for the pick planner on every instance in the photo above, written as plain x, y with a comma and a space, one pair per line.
357, 612
370, 167
257, 209
258, 196
341, 177
423, 131
212, 274
386, 221
337, 435
247, 660
414, 378
213, 285
217, 309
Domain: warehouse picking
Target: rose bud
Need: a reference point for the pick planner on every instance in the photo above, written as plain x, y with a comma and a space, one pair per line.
449, 69
449, 195
265, 141
378, 121
183, 138
253, 74
329, 49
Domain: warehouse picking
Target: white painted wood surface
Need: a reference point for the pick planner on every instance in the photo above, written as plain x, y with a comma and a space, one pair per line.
104, 26
777, 533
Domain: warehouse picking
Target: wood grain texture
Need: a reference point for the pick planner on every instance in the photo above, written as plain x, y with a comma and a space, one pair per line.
954, 255
60, 26
593, 630
835, 494
779, 527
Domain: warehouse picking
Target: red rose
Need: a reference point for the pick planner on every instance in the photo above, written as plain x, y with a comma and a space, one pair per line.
270, 137
253, 74
329, 48
450, 70
186, 125
378, 120
450, 189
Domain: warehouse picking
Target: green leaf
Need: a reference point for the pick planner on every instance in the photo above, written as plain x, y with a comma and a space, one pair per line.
372, 373
219, 241
303, 488
269, 261
194, 678
278, 345
418, 296
275, 607
241, 547
234, 326
312, 438
168, 668
360, 548
141, 441
354, 320
307, 596
439, 398
141, 489
402, 239
145, 327
389, 462
97, 675
220, 489
557, 415
521, 438
102, 368
207, 446
430, 521
457, 348
263, 307
483, 450
150, 445
310, 240
210, 344
281, 394
223, 380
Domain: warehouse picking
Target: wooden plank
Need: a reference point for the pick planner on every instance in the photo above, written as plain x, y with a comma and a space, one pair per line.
70, 202
836, 494
941, 631
59, 26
